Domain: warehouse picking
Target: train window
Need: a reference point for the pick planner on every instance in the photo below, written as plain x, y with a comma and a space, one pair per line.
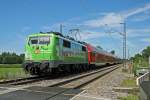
44, 40
73, 46
33, 40
39, 40
83, 48
66, 44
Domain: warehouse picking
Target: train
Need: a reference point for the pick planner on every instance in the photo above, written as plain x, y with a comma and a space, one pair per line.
51, 52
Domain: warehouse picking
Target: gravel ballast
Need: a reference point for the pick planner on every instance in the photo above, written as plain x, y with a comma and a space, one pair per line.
102, 89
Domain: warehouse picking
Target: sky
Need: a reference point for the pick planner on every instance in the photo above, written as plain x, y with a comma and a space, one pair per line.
98, 22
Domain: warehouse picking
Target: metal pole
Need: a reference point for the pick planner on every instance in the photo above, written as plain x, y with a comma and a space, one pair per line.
128, 54
125, 43
61, 26
74, 33
123, 51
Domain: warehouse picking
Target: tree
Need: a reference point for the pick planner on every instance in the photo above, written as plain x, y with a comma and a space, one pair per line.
112, 52
137, 57
99, 47
142, 59
146, 52
11, 58
1, 59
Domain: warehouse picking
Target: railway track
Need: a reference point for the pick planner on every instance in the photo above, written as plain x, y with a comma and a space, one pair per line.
84, 79
17, 80
22, 81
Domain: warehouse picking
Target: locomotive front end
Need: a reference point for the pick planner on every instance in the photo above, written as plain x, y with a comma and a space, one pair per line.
38, 53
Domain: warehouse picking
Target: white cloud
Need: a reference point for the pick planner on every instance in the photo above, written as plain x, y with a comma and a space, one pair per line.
113, 19
88, 35
141, 18
110, 18
138, 32
137, 10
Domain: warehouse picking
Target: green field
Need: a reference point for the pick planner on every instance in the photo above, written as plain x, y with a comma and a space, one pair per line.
10, 66
11, 71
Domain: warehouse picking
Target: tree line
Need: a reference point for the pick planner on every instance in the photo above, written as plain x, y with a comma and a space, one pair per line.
11, 58
142, 58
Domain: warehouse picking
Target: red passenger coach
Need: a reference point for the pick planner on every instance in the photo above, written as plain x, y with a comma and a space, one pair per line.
97, 56
91, 54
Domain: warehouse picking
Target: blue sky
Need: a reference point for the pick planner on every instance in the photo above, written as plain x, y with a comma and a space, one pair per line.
19, 18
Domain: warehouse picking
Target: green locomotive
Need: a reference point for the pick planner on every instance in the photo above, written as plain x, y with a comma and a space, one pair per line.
51, 52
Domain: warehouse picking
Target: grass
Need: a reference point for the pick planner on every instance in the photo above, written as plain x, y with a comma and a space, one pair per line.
130, 82
133, 95
11, 71
129, 97
10, 65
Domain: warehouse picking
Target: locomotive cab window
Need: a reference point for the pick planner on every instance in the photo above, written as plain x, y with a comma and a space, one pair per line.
33, 40
83, 48
66, 44
39, 40
44, 40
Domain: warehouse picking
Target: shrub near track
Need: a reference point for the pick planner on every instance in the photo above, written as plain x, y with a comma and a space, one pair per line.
130, 82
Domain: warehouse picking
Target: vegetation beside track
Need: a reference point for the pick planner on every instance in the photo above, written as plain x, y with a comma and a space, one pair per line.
11, 71
129, 97
140, 60
130, 82
10, 66
11, 58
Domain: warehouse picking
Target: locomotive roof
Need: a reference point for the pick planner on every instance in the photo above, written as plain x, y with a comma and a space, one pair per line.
92, 48
59, 35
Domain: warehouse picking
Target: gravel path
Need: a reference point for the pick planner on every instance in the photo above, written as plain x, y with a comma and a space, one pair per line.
102, 89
